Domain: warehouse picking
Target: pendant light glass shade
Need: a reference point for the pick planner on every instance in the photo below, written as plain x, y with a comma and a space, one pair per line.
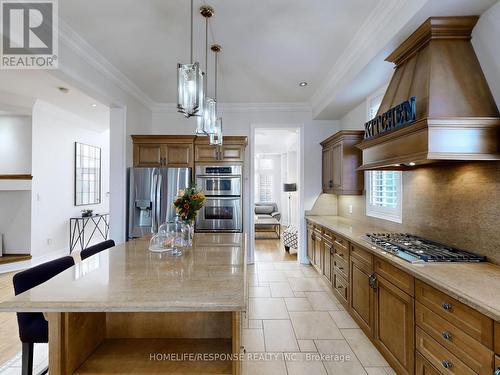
216, 137
189, 89
206, 122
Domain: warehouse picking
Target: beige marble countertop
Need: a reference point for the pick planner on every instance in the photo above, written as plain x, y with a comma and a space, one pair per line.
211, 276
475, 284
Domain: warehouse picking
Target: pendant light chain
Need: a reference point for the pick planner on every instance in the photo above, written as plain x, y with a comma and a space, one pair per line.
216, 68
206, 56
192, 12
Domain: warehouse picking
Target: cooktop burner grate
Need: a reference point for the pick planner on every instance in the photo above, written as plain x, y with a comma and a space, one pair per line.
415, 249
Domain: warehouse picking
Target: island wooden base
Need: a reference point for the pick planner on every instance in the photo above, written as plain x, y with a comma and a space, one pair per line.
134, 343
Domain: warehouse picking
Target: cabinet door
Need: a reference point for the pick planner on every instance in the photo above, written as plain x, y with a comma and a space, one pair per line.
326, 166
178, 155
310, 243
232, 153
318, 252
361, 301
337, 165
394, 325
327, 260
147, 155
205, 153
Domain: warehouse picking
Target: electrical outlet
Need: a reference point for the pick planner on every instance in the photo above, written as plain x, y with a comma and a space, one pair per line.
350, 208
49, 241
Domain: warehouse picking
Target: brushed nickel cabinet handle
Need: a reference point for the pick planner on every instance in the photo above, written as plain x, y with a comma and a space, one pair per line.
447, 364
446, 335
446, 306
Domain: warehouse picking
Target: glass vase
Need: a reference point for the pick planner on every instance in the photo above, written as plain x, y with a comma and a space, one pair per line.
188, 233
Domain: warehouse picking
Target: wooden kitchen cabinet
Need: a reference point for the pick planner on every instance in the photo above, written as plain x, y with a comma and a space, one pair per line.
361, 296
163, 151
328, 254
310, 242
394, 325
318, 249
340, 161
422, 367
232, 150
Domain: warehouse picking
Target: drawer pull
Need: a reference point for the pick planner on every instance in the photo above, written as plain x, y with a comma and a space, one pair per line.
340, 268
446, 335
446, 306
447, 364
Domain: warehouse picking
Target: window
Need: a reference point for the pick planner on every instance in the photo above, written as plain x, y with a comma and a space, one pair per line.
265, 188
383, 188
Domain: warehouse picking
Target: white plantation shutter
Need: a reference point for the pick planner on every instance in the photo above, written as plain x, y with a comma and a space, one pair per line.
265, 188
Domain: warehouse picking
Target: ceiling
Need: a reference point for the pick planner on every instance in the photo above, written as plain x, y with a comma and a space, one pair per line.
268, 46
19, 89
275, 141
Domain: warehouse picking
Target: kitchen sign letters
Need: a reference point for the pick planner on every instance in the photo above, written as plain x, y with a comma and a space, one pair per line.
398, 116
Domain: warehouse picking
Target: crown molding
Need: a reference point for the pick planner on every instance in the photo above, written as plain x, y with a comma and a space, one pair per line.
242, 107
83, 49
371, 37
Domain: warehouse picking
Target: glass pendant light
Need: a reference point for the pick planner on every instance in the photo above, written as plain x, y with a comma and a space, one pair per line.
206, 121
216, 134
189, 83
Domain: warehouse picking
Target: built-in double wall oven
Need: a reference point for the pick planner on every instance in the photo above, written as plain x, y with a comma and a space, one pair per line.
222, 185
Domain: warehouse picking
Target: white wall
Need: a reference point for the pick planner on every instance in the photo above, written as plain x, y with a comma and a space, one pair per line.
485, 42
56, 131
355, 119
15, 145
15, 222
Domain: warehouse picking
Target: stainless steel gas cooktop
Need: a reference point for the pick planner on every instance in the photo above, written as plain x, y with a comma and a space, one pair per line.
415, 249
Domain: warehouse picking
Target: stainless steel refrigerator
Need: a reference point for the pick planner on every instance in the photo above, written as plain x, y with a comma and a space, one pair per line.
151, 193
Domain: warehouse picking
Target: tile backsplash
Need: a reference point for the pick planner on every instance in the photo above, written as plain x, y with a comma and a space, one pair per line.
457, 204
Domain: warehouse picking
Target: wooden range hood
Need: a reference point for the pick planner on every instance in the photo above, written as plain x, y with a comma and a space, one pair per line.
456, 115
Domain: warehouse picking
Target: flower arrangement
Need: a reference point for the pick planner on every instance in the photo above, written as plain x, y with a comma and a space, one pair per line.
189, 202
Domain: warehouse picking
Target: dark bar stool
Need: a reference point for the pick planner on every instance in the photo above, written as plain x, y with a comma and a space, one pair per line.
97, 248
33, 328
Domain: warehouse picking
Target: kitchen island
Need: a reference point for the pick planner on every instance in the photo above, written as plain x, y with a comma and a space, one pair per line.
128, 310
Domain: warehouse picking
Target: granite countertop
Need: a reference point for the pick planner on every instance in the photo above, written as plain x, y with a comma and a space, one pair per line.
475, 284
210, 276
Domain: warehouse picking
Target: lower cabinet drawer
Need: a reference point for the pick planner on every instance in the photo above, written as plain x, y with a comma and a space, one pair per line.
471, 352
439, 357
341, 289
422, 367
341, 266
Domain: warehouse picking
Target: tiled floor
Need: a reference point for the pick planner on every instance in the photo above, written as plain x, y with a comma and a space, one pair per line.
294, 318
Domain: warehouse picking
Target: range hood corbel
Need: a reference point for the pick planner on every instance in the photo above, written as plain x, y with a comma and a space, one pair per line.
456, 116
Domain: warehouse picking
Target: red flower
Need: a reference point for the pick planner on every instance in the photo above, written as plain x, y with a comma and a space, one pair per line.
186, 205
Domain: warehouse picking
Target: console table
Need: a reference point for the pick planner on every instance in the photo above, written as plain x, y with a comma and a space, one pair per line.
80, 226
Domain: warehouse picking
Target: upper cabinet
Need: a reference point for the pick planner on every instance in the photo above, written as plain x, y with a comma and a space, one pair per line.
163, 151
340, 162
232, 150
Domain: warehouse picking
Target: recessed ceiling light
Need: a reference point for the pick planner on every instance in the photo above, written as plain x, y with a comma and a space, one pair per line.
93, 105
411, 164
303, 84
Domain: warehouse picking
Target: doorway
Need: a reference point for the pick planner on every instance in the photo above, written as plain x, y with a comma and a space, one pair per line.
275, 193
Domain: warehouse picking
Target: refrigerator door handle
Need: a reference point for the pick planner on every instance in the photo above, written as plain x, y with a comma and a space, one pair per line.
159, 179
154, 224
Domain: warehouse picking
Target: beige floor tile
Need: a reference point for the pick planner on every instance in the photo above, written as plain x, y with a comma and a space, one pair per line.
301, 365
314, 325
265, 267
321, 301
307, 284
307, 346
279, 336
297, 304
268, 276
343, 320
375, 370
255, 323
267, 308
259, 291
261, 367
281, 289
299, 294
253, 280
282, 266
309, 271
390, 371
342, 361
253, 340
293, 273
364, 349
